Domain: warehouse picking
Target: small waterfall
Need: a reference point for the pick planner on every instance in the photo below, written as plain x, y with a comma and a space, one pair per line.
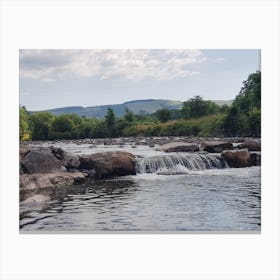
176, 164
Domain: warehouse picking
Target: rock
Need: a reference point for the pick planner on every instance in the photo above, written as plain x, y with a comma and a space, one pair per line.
57, 152
31, 182
109, 163
73, 170
23, 151
34, 202
238, 158
179, 147
91, 173
28, 182
67, 159
41, 160
216, 146
255, 158
251, 145
35, 199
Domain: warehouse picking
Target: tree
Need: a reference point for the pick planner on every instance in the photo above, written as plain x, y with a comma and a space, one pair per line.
62, 123
110, 117
197, 107
40, 123
110, 121
163, 115
23, 122
244, 117
128, 116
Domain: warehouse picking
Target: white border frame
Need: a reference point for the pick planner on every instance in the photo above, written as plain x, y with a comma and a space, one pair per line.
156, 24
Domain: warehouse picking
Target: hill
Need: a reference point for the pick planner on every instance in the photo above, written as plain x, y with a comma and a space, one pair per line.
147, 106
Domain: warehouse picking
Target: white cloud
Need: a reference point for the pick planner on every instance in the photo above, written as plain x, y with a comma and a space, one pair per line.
135, 65
48, 80
220, 59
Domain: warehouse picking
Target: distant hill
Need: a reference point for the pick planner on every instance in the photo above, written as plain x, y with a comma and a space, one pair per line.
147, 106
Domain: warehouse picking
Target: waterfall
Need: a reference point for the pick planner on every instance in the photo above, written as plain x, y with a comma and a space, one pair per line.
176, 164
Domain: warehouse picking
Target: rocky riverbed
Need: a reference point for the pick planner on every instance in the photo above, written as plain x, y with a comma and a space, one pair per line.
46, 169
51, 173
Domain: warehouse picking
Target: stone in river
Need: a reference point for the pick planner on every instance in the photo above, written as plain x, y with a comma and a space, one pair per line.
179, 147
216, 146
109, 164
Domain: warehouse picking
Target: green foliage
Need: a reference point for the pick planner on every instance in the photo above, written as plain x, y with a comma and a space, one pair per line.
163, 115
205, 126
23, 123
62, 124
128, 116
110, 118
196, 107
62, 127
244, 117
41, 125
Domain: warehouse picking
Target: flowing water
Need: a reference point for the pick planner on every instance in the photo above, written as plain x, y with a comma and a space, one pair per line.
170, 192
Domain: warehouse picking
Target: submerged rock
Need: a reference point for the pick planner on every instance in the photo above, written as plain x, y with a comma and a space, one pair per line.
109, 163
216, 146
179, 147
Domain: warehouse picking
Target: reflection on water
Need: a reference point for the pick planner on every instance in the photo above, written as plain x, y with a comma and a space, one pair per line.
208, 200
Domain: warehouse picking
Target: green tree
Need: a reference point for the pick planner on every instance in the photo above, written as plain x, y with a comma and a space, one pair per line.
244, 117
110, 120
197, 107
40, 123
23, 122
163, 115
62, 123
128, 116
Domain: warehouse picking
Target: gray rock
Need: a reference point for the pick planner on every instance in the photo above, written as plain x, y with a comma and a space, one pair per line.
31, 182
179, 147
216, 146
255, 158
41, 160
67, 159
251, 145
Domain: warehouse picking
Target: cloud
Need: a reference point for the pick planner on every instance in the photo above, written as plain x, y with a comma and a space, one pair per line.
122, 64
220, 59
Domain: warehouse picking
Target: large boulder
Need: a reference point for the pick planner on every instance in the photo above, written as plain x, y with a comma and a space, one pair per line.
41, 160
251, 145
109, 164
238, 158
216, 146
179, 147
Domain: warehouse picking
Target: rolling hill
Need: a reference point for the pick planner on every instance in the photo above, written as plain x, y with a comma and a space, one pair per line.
147, 106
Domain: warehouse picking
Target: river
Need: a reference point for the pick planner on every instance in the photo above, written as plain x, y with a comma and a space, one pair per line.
176, 192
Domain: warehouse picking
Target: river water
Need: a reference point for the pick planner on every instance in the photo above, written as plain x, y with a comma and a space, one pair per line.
170, 192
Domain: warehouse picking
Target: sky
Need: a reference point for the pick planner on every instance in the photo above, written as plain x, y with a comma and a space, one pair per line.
51, 78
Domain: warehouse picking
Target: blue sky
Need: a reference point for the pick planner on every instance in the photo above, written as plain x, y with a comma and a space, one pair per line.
59, 78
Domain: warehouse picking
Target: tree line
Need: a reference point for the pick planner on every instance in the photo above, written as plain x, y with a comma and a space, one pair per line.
197, 117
